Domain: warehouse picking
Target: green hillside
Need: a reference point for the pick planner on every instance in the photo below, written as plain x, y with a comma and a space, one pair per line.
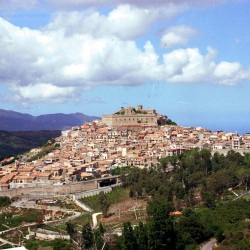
13, 143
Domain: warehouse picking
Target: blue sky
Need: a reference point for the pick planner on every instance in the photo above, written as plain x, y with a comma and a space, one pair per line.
187, 60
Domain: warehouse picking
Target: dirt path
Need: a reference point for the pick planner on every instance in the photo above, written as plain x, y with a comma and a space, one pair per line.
208, 245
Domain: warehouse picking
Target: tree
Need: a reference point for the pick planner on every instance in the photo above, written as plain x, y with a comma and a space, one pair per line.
243, 244
235, 158
87, 235
218, 162
244, 176
219, 235
5, 201
99, 236
206, 158
59, 244
208, 200
104, 203
160, 226
129, 240
70, 227
191, 230
141, 236
247, 160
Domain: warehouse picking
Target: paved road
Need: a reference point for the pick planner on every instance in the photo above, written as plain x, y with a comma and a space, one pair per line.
208, 245
94, 218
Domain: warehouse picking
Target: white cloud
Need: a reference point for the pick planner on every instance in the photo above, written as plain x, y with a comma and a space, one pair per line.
177, 35
231, 73
41, 92
124, 21
31, 57
79, 51
189, 65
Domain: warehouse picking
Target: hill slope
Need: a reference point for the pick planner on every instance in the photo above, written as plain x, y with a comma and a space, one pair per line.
14, 121
12, 143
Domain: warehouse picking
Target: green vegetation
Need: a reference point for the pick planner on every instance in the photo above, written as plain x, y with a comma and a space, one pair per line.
57, 244
88, 237
118, 194
165, 121
119, 113
247, 197
14, 143
46, 149
139, 111
200, 187
5, 201
121, 170
6, 246
99, 233
83, 219
104, 203
14, 220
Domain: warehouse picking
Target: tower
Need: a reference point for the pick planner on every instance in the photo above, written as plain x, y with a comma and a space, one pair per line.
139, 107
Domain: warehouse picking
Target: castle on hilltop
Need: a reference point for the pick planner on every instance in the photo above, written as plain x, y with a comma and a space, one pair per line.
131, 116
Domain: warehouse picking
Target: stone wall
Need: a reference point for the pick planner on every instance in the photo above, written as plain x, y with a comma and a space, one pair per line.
52, 190
119, 120
225, 151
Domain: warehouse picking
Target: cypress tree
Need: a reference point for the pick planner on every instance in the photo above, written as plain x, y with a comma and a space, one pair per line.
129, 240
87, 234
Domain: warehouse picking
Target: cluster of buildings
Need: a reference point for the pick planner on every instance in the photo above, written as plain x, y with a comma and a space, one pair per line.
94, 149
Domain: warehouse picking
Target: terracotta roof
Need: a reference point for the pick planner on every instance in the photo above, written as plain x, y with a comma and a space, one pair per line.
7, 178
175, 213
84, 174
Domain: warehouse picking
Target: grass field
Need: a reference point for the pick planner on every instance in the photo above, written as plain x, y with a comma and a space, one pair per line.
14, 220
117, 195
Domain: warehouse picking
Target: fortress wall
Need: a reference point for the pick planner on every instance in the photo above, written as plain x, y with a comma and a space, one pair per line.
119, 120
107, 119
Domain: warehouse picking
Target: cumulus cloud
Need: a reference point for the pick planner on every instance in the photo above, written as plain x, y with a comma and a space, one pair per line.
41, 92
31, 57
124, 21
189, 65
79, 51
177, 35
231, 73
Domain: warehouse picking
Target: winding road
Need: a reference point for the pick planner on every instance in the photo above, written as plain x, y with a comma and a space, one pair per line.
94, 218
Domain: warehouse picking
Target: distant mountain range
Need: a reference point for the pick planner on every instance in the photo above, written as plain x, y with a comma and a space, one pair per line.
15, 121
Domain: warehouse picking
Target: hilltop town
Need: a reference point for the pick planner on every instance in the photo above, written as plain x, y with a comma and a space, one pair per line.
131, 137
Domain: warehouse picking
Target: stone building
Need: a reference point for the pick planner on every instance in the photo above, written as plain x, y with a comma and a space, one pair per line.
131, 116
